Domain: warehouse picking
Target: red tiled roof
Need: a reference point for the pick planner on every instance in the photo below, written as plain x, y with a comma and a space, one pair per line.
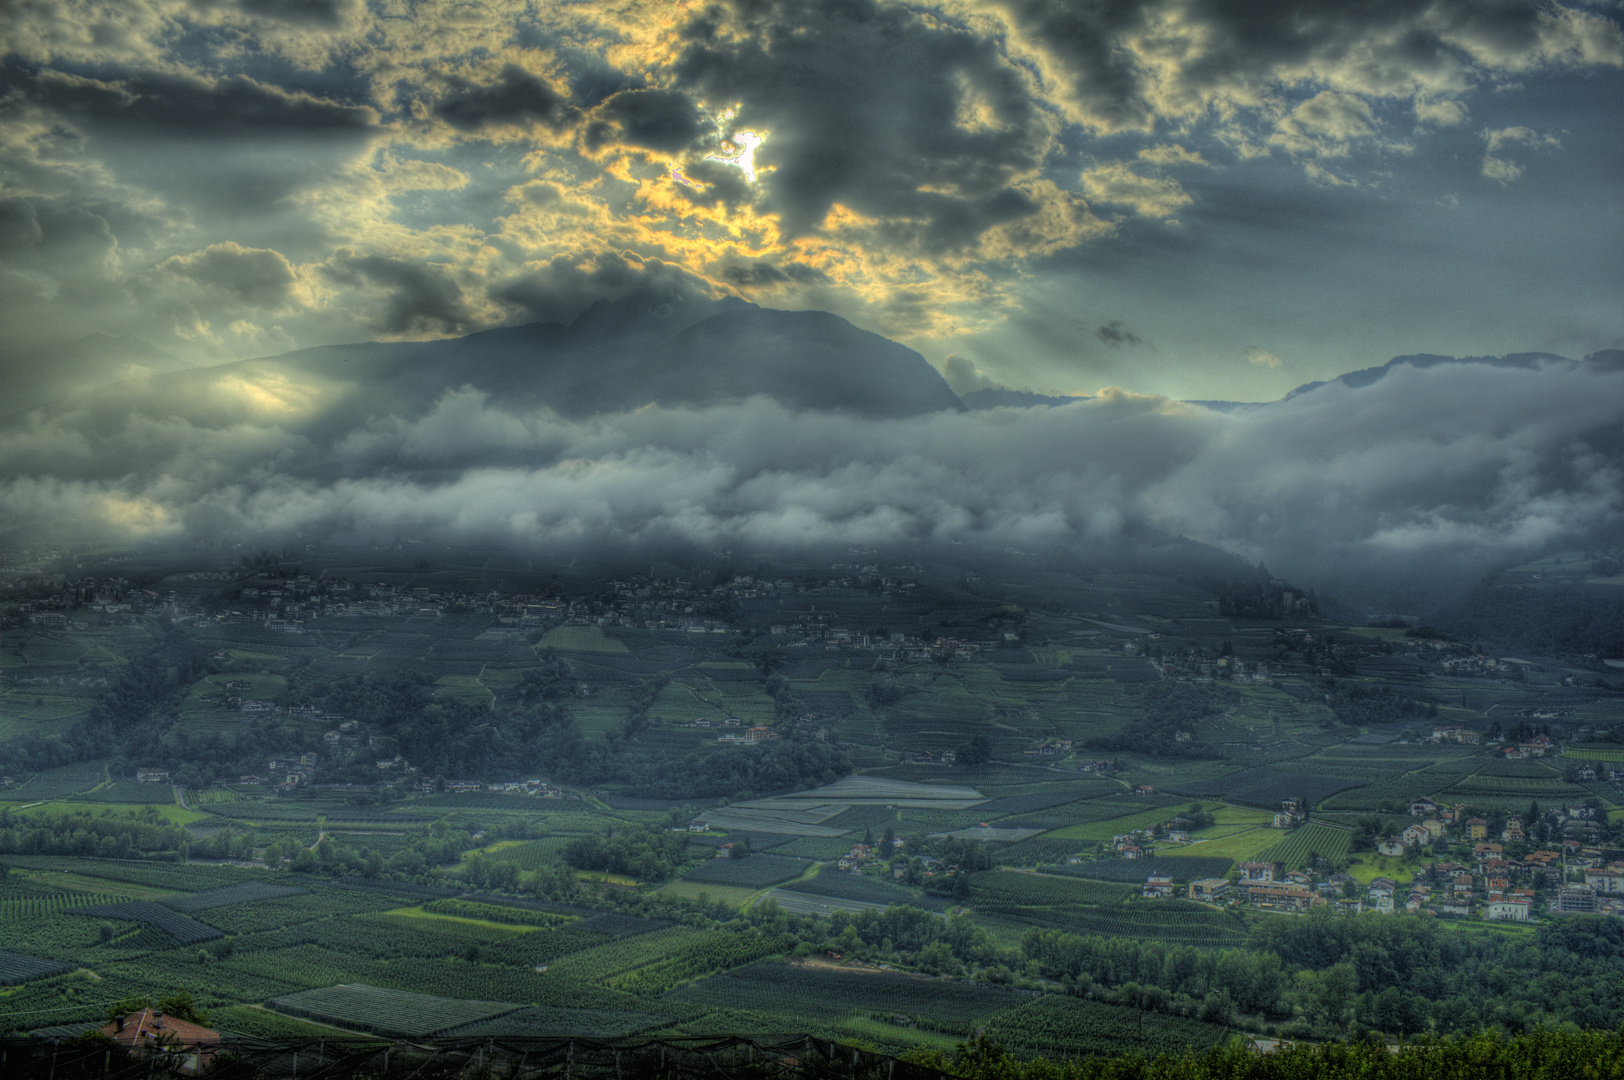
147, 1028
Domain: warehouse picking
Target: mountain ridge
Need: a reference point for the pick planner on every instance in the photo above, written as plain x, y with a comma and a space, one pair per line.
680, 350
625, 354
1604, 359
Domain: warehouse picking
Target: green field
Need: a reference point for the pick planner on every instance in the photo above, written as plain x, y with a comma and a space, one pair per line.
1238, 815
170, 812
1368, 866
23, 713
466, 688
387, 1012
1241, 845
1296, 849
417, 920
1586, 754
1100, 832
581, 639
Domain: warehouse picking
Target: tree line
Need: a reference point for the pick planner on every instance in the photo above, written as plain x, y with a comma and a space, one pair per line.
1538, 1054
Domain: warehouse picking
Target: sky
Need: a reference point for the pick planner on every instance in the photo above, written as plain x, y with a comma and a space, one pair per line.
1202, 199
1147, 204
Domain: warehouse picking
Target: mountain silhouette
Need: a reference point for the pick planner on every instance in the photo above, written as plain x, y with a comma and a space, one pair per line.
634, 352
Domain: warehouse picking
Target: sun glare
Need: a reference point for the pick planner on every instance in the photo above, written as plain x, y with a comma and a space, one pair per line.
268, 392
742, 152
135, 514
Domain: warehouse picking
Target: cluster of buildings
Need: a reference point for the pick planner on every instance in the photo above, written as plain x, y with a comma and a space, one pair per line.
289, 773
1197, 665
535, 787
1538, 746
862, 855
816, 630
32, 563
679, 604
1138, 843
87, 594
1476, 664
286, 773
748, 736
290, 604
1570, 877
1292, 813
757, 733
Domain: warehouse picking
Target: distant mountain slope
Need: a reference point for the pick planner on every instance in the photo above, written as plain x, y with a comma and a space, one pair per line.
624, 355
808, 359
1606, 359
94, 359
1564, 604
1530, 361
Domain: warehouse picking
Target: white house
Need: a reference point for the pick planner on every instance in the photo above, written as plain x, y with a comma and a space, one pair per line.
1509, 910
1158, 886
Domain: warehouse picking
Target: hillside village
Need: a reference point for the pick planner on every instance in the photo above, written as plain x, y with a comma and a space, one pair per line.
271, 594
278, 597
1451, 861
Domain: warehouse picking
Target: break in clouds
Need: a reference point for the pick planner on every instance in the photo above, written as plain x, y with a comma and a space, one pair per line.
1426, 471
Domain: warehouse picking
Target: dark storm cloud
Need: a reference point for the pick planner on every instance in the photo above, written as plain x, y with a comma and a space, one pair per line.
420, 296
1256, 38
654, 119
766, 274
516, 96
1260, 32
186, 105
874, 108
1105, 77
1126, 63
1115, 336
256, 276
564, 287
50, 234
715, 183
323, 13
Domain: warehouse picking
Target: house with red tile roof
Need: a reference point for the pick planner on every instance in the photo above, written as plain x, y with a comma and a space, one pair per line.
187, 1048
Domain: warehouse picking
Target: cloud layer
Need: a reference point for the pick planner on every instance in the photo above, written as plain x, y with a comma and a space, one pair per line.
1427, 471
